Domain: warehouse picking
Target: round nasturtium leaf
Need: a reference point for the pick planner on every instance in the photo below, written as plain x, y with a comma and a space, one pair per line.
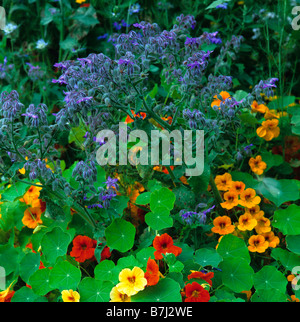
143, 198
162, 197
278, 191
92, 290
286, 258
106, 271
268, 295
166, 290
8, 258
65, 276
144, 254
293, 243
233, 247
288, 220
29, 264
237, 274
39, 281
54, 244
120, 235
269, 277
25, 294
159, 218
207, 256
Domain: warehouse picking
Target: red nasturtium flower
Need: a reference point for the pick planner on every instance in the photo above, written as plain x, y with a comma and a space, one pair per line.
141, 115
105, 253
203, 276
196, 293
152, 272
83, 248
164, 244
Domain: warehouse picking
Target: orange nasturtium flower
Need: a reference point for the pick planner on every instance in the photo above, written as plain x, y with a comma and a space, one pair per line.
237, 186
141, 115
117, 296
131, 281
231, 200
246, 222
271, 239
83, 248
222, 225
6, 295
257, 165
254, 210
31, 195
294, 299
217, 101
70, 296
257, 243
196, 293
261, 108
223, 182
263, 223
152, 272
249, 198
32, 217
269, 130
164, 244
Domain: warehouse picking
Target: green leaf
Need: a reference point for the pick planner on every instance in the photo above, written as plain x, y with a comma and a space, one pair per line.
118, 204
65, 276
69, 43
269, 277
200, 183
207, 257
278, 191
268, 295
106, 271
166, 290
287, 259
143, 198
159, 218
293, 244
16, 191
272, 160
92, 290
25, 294
248, 118
239, 95
143, 255
12, 214
231, 247
215, 4
127, 262
120, 235
288, 220
281, 102
39, 281
29, 264
176, 267
8, 258
54, 244
162, 197
237, 274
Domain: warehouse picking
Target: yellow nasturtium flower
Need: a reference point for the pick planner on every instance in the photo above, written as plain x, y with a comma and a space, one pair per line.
131, 281
70, 296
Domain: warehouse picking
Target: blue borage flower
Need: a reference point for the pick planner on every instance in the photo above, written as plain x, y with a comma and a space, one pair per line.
134, 8
222, 6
